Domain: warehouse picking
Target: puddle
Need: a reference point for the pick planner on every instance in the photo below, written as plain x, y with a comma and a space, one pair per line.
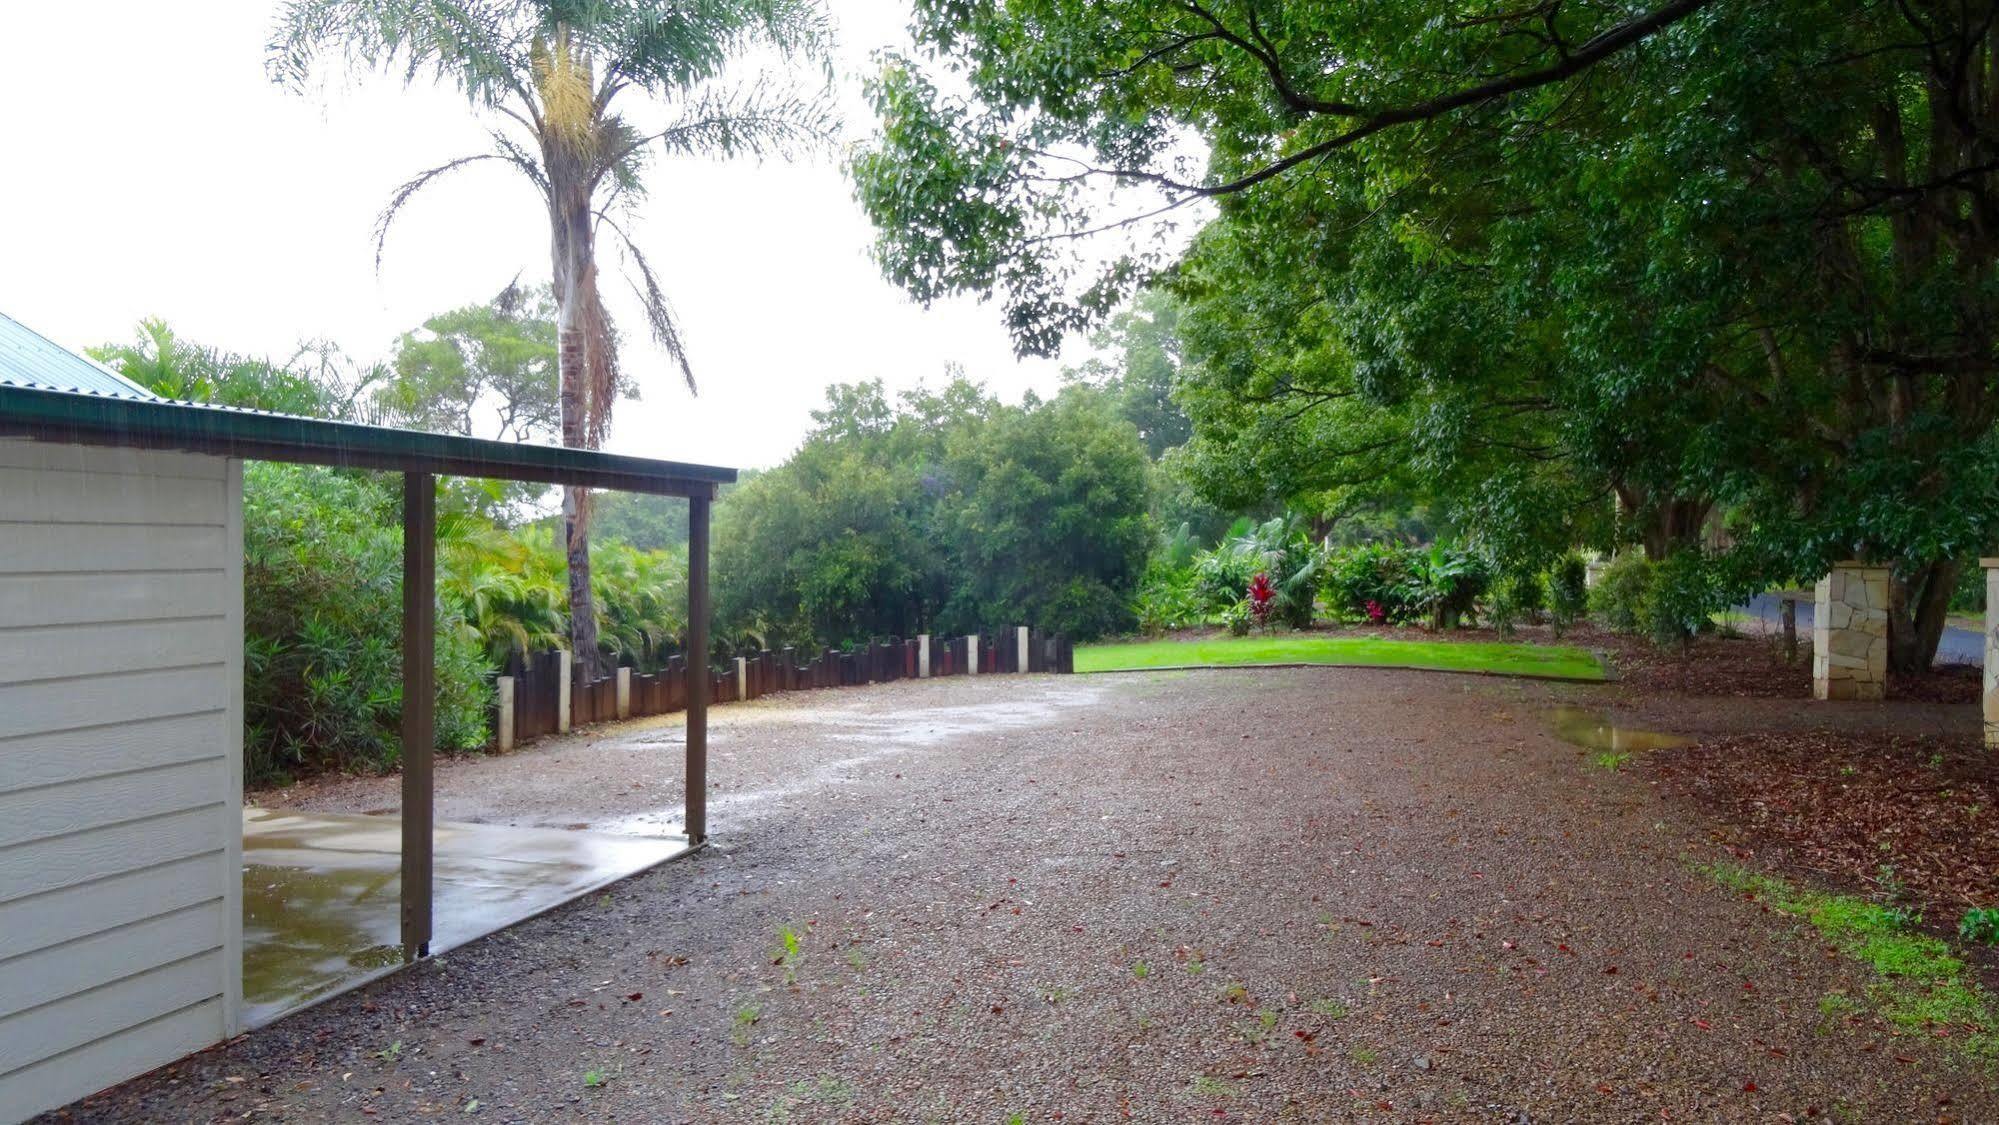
881, 735
1593, 730
321, 893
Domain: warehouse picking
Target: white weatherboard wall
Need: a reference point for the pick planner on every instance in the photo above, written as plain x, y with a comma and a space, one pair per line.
121, 747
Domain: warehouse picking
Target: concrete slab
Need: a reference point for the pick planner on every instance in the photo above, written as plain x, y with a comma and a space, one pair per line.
320, 893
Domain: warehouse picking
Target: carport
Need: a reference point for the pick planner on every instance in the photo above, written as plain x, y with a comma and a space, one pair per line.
121, 703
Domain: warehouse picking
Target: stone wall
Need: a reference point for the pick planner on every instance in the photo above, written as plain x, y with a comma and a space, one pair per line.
1850, 633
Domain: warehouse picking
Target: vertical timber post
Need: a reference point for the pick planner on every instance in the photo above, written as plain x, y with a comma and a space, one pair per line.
419, 704
624, 691
971, 654
1790, 630
503, 728
923, 656
562, 689
1020, 650
698, 677
742, 679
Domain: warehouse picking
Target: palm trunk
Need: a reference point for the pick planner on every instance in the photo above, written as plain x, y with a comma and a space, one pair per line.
575, 281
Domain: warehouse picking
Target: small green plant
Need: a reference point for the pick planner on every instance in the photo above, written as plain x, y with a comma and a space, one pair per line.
1980, 924
1331, 1009
1365, 1056
1208, 1086
1016, 1119
1234, 993
597, 1077
1197, 966
1139, 970
1612, 760
1238, 618
855, 958
1837, 1005
790, 950
391, 1053
746, 1018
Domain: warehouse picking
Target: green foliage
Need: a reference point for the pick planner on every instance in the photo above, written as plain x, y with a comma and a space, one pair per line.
1980, 924
1622, 589
322, 593
1445, 582
1681, 598
1377, 573
947, 512
1557, 661
1518, 596
483, 370
1923, 984
1568, 591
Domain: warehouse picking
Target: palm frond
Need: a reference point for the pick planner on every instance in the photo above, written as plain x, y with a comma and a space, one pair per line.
659, 313
472, 44
409, 188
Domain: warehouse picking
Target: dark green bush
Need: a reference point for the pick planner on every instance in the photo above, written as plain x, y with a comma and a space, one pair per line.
1377, 573
1446, 582
1568, 591
1517, 597
1618, 599
322, 608
1681, 599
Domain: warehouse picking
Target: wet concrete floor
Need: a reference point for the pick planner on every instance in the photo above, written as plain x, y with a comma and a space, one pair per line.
321, 905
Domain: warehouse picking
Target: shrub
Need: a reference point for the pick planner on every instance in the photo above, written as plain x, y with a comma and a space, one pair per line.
1980, 924
1618, 600
1372, 575
1680, 599
1167, 599
1237, 618
1568, 591
1445, 582
1515, 597
322, 608
1279, 549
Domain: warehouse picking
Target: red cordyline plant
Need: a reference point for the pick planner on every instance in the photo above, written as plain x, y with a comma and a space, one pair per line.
1375, 613
1262, 598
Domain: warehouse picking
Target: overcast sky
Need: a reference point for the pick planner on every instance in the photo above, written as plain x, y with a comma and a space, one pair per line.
153, 170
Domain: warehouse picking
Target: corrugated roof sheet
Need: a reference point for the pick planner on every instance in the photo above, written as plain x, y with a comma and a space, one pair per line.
29, 359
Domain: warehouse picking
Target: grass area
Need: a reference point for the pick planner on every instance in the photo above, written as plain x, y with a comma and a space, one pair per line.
1922, 983
1562, 661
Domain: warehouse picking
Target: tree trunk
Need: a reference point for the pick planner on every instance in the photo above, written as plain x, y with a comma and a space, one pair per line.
1918, 603
575, 282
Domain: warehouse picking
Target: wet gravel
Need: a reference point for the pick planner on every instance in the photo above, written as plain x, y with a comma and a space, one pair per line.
1302, 895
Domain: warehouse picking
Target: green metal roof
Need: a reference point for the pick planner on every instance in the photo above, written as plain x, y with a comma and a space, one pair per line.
123, 414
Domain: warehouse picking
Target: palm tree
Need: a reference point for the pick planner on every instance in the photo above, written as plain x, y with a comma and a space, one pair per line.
551, 71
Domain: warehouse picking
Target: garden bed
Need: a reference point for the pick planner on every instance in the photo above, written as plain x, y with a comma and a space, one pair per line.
1900, 816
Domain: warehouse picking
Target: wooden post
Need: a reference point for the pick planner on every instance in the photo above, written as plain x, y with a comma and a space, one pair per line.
971, 654
504, 728
742, 679
697, 657
1790, 630
419, 705
1021, 649
624, 692
923, 656
562, 689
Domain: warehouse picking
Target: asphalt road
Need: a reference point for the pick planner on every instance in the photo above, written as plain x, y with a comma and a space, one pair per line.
1959, 646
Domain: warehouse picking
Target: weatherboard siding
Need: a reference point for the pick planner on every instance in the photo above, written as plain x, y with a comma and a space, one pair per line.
121, 718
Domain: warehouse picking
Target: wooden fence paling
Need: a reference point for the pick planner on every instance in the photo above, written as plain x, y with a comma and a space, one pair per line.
538, 678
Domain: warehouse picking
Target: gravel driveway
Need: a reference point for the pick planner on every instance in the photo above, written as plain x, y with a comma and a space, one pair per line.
1306, 895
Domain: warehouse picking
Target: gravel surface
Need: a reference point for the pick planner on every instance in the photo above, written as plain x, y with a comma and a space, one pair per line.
1307, 895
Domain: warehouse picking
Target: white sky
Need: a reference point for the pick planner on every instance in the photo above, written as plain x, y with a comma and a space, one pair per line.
155, 171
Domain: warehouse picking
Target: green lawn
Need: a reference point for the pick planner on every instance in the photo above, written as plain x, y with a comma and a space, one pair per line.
1561, 661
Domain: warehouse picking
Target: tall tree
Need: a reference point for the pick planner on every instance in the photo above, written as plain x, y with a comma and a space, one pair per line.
553, 72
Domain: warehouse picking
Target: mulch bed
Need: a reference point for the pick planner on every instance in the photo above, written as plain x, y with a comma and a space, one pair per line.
1910, 814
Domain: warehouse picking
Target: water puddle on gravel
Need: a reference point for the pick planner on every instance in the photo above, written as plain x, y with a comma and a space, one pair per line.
1593, 730
884, 734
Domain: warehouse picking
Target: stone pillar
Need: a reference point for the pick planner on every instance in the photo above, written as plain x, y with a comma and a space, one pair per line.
971, 654
1021, 633
562, 693
923, 656
624, 692
1850, 633
504, 735
1991, 652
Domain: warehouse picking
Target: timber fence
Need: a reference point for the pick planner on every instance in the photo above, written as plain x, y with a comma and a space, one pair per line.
546, 693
